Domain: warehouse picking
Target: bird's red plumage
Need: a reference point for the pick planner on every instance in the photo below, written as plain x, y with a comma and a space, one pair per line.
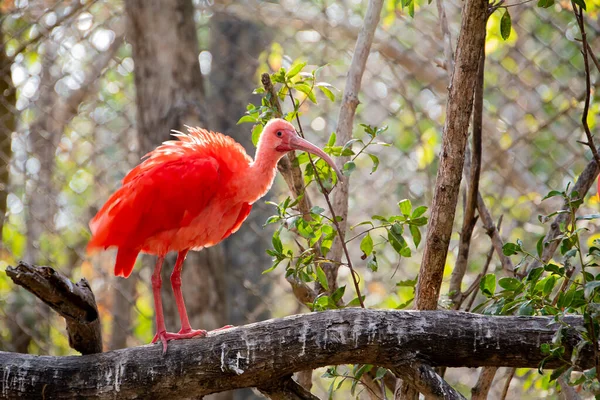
176, 199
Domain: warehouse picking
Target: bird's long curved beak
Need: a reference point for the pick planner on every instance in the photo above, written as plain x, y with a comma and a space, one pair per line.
298, 143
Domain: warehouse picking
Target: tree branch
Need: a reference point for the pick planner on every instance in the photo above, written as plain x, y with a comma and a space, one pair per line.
76, 303
494, 234
255, 355
474, 171
484, 383
427, 381
458, 108
346, 120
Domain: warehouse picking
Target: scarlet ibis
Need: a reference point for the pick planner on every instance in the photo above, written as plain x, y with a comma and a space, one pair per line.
189, 194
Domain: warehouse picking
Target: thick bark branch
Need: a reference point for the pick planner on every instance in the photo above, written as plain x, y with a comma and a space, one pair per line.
76, 303
255, 355
459, 106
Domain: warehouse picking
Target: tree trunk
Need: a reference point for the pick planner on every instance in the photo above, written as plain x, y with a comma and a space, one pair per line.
170, 94
232, 79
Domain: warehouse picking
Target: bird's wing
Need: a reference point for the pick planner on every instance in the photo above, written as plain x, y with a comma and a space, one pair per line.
162, 198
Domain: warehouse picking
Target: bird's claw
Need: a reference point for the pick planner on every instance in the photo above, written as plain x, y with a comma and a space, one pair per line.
165, 336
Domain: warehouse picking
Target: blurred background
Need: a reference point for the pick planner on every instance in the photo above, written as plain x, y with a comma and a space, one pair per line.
70, 130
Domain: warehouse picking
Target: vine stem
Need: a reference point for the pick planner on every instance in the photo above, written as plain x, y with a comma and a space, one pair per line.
341, 235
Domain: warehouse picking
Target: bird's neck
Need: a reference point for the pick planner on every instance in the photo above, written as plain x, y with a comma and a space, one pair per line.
260, 175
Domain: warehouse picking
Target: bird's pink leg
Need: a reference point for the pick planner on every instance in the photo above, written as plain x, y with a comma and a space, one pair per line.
160, 319
186, 329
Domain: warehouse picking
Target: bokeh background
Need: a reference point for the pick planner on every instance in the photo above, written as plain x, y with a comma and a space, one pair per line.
68, 135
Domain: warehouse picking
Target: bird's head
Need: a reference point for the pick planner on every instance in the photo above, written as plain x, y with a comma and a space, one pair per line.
281, 136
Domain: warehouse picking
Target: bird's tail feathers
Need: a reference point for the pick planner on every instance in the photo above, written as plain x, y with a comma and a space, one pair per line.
125, 261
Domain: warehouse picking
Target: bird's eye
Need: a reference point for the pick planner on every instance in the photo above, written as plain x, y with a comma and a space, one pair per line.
279, 133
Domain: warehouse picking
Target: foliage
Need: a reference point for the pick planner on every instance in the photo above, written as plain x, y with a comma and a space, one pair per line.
556, 288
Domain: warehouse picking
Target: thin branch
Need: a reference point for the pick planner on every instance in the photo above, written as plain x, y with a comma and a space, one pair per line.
497, 242
346, 119
286, 389
509, 376
427, 381
448, 54
578, 11
484, 383
74, 302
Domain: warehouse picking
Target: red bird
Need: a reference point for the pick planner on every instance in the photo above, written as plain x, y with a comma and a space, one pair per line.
188, 194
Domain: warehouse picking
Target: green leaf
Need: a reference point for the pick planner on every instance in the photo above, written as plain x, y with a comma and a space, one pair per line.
418, 212
407, 283
488, 285
322, 278
277, 242
355, 302
366, 244
580, 3
405, 207
295, 69
317, 210
534, 274
272, 219
396, 240
375, 160
380, 373
505, 25
307, 90
416, 234
348, 168
552, 193
540, 246
338, 294
545, 3
555, 269
549, 285
332, 139
510, 249
246, 118
330, 95
509, 283
406, 252
256, 131
372, 262
589, 289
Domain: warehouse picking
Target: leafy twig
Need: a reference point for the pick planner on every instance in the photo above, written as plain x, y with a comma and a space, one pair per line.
347, 111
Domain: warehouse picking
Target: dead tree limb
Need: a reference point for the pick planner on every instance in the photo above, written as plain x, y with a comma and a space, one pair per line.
258, 354
75, 302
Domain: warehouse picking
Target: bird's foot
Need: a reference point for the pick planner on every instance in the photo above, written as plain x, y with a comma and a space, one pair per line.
165, 336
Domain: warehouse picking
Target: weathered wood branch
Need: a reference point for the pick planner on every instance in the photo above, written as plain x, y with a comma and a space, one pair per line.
75, 302
256, 355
